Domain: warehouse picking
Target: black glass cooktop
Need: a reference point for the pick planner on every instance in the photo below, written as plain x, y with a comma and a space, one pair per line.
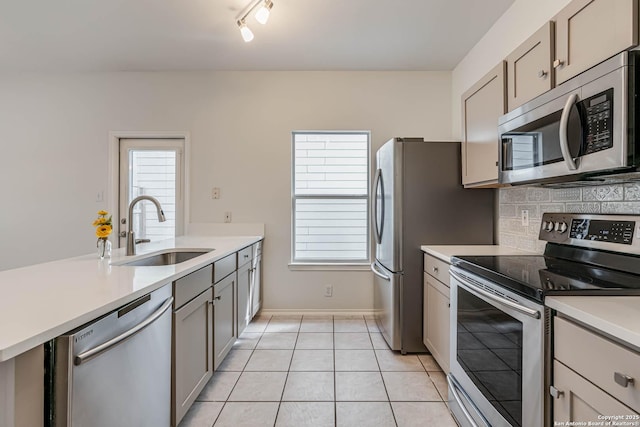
535, 276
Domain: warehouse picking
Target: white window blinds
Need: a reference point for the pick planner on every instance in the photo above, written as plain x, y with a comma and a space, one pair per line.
330, 197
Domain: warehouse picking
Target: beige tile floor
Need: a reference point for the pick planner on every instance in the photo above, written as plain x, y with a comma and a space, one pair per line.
320, 371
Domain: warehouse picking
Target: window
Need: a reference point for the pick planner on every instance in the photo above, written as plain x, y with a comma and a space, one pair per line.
330, 201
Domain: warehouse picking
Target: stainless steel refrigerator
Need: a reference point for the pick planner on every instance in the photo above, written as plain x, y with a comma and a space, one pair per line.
418, 199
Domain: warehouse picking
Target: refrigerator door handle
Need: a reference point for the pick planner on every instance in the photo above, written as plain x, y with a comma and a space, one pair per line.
379, 273
378, 228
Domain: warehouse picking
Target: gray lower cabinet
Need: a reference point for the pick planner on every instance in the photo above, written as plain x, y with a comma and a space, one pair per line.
192, 362
255, 279
587, 388
436, 310
224, 317
193, 356
244, 303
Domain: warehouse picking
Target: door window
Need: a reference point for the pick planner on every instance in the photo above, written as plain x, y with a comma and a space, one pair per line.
152, 167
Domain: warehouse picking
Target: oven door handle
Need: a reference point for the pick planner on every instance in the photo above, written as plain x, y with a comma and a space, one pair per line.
455, 388
472, 286
564, 135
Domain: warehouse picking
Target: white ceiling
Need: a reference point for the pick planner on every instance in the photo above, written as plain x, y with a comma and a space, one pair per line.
119, 35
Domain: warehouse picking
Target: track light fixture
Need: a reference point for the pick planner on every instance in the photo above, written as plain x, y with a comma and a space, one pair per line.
261, 14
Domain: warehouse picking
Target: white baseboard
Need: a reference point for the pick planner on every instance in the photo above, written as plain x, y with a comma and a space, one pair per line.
315, 312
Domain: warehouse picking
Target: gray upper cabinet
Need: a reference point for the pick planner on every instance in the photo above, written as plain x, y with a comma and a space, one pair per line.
529, 67
482, 105
590, 31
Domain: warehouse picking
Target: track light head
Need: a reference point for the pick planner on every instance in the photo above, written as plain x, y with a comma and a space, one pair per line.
262, 14
247, 34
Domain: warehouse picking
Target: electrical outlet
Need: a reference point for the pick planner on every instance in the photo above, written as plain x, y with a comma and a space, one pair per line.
328, 291
227, 217
525, 218
215, 193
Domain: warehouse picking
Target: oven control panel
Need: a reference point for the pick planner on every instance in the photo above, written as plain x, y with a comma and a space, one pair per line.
612, 232
604, 231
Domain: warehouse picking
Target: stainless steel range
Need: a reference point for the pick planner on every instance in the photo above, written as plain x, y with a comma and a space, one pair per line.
500, 345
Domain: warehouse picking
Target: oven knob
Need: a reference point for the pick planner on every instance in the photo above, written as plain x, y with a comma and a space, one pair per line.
561, 227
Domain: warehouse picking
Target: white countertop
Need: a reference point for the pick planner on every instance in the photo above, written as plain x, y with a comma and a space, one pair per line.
43, 301
618, 317
446, 252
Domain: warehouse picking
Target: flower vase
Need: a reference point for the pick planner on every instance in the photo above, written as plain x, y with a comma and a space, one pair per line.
104, 248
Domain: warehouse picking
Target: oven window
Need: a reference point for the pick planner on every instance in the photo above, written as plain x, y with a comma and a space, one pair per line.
489, 349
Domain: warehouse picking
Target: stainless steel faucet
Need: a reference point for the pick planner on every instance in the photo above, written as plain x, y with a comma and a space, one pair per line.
131, 241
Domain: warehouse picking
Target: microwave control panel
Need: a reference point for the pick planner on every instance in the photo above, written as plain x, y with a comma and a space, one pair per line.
599, 122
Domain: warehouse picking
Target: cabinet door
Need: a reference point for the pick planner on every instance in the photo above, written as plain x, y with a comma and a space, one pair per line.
255, 287
529, 67
482, 105
192, 353
580, 400
590, 31
224, 317
244, 304
436, 321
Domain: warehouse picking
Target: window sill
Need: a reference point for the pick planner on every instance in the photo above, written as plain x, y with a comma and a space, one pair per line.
299, 266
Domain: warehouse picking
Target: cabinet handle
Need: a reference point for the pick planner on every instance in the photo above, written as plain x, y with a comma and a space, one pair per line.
558, 63
435, 269
219, 297
557, 394
622, 379
542, 74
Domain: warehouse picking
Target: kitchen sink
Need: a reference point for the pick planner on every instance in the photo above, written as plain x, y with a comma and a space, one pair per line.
170, 257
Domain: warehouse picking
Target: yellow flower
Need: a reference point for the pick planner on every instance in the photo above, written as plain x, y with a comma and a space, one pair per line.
103, 231
103, 213
100, 221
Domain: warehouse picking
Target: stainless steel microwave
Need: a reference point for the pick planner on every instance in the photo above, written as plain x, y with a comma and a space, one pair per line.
584, 129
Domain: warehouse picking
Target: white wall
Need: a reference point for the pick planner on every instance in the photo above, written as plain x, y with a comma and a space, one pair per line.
55, 143
519, 22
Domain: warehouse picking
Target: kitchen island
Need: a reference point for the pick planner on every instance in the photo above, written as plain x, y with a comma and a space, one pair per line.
43, 301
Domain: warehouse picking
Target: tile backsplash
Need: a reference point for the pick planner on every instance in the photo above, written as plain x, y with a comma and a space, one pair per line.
615, 199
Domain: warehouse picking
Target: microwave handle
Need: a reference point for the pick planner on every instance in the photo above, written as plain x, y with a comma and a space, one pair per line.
564, 128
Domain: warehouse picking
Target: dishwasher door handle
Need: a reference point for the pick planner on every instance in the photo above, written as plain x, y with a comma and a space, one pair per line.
98, 350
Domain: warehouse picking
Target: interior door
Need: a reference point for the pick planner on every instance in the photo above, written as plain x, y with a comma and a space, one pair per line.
387, 196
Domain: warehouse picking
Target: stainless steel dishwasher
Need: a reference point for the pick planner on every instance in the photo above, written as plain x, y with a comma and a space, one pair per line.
116, 370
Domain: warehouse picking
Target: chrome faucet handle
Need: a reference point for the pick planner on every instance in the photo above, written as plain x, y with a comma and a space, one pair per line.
142, 241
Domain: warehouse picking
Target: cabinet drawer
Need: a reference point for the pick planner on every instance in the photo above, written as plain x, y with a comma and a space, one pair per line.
580, 400
598, 360
223, 267
436, 268
244, 256
191, 285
